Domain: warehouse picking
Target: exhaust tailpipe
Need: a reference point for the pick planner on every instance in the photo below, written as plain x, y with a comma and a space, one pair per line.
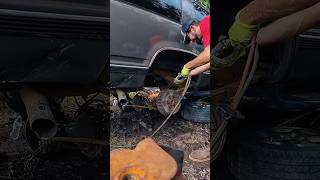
122, 98
40, 117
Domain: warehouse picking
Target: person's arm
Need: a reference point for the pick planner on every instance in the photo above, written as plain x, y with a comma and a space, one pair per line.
200, 69
264, 11
289, 26
201, 59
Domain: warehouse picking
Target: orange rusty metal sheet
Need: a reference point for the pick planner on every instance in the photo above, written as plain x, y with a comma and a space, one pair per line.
147, 161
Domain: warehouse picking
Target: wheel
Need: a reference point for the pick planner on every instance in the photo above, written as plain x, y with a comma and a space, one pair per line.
167, 101
278, 153
196, 111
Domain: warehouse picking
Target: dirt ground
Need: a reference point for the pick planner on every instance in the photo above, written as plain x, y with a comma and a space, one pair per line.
178, 133
18, 161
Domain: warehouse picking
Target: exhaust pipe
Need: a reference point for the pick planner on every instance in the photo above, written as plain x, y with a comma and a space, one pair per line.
40, 117
122, 98
114, 107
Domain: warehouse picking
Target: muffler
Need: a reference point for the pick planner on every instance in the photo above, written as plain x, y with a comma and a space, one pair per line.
40, 117
122, 98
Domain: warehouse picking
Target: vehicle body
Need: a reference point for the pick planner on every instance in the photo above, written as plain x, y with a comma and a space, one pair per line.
53, 42
58, 53
53, 50
146, 35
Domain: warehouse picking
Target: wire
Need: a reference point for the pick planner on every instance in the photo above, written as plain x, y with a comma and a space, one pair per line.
244, 83
174, 109
238, 96
167, 118
250, 77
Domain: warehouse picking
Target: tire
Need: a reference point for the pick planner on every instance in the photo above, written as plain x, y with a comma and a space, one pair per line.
284, 57
268, 155
196, 111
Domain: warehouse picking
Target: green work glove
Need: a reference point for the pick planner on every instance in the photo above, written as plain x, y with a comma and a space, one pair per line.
224, 54
228, 51
241, 33
182, 76
185, 72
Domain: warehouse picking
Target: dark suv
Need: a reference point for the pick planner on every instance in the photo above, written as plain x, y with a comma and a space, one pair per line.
146, 37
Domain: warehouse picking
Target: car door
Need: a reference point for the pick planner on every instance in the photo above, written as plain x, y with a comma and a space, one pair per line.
136, 26
139, 29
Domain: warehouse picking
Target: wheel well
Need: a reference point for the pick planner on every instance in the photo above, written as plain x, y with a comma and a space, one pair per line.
171, 60
166, 65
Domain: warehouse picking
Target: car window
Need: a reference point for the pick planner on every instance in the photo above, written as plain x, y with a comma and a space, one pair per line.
168, 8
95, 2
200, 12
191, 9
66, 3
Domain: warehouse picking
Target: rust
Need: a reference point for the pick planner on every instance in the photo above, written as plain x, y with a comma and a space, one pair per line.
167, 101
166, 75
39, 113
171, 101
151, 93
149, 96
147, 161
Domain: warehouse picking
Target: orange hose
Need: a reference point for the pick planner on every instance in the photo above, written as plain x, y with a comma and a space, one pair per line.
236, 98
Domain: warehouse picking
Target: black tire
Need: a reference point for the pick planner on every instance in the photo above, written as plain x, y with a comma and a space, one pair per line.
266, 156
196, 111
284, 56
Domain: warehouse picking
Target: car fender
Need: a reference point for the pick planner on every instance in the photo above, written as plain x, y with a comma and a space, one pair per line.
167, 45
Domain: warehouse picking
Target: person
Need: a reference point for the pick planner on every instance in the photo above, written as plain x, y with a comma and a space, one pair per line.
195, 32
280, 20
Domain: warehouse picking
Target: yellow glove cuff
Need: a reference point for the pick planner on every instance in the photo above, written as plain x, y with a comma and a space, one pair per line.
185, 71
241, 33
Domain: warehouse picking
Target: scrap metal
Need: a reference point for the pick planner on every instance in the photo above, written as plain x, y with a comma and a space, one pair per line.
147, 161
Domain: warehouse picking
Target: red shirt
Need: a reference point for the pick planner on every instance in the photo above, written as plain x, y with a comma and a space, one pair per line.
205, 30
